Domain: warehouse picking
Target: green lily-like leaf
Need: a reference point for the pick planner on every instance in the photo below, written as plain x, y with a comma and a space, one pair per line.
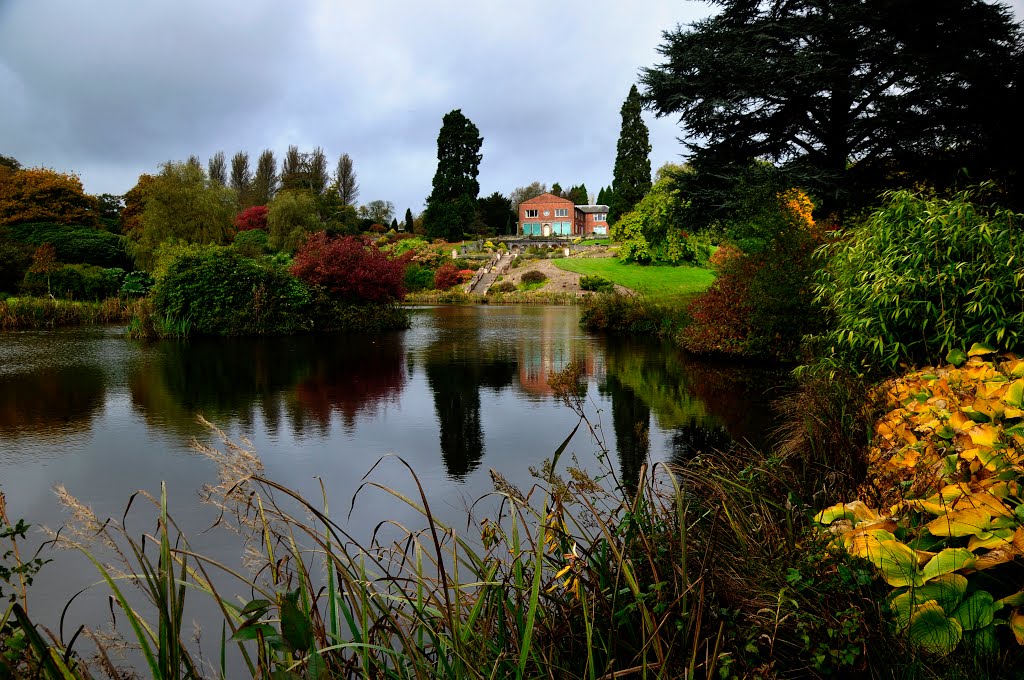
946, 562
1015, 600
897, 563
948, 590
1015, 394
956, 357
933, 631
980, 349
983, 641
977, 611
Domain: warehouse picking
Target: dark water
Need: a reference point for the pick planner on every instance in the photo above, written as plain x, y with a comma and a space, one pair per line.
463, 391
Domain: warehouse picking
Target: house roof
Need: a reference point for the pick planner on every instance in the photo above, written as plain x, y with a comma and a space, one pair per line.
545, 198
592, 208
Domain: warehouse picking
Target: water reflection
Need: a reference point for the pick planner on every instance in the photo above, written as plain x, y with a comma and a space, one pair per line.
51, 401
458, 365
298, 383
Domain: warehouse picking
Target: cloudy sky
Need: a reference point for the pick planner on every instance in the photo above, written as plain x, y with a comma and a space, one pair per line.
110, 89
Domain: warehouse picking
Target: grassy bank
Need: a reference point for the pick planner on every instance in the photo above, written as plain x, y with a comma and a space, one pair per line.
659, 283
29, 312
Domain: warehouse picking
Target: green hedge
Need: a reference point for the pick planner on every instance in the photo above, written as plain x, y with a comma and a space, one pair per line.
76, 244
75, 282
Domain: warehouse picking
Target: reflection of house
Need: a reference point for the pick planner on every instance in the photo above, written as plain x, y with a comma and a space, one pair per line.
550, 215
550, 351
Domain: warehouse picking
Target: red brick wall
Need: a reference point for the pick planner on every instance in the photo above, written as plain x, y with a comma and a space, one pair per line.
544, 202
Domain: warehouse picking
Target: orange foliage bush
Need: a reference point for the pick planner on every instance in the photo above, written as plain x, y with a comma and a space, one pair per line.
42, 195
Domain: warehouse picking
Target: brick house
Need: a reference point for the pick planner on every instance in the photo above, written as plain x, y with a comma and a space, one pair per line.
550, 215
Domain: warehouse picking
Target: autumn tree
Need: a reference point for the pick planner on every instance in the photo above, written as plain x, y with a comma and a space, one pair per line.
345, 180
44, 261
135, 205
265, 181
631, 178
43, 195
451, 205
316, 171
252, 218
846, 97
182, 205
217, 169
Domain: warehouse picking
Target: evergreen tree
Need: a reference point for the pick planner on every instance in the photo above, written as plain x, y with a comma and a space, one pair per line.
847, 97
408, 220
604, 196
556, 189
495, 211
394, 223
631, 179
578, 195
451, 206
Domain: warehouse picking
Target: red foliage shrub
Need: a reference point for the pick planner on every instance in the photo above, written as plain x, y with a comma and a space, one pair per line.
725, 253
350, 268
466, 274
378, 228
446, 276
721, 314
252, 218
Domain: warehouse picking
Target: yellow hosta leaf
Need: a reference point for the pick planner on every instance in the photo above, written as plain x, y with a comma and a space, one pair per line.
1015, 367
985, 500
979, 349
1014, 394
998, 538
984, 435
946, 562
967, 522
995, 557
906, 457
960, 421
1017, 626
855, 511
1009, 413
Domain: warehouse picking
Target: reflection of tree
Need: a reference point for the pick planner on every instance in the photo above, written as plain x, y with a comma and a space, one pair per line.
353, 376
707, 405
301, 378
631, 419
457, 366
53, 399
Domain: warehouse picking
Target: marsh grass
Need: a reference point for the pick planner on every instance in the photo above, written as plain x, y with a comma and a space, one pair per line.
31, 312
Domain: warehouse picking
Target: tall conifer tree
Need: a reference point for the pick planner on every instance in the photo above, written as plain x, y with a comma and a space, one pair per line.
631, 179
451, 206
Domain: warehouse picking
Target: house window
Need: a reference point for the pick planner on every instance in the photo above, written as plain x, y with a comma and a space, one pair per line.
600, 217
561, 212
531, 213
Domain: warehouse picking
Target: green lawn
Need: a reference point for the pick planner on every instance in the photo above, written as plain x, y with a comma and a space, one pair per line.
655, 282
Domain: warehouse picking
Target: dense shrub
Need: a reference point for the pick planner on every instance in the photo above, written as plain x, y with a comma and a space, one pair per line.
761, 303
218, 291
291, 218
922, 275
136, 284
614, 313
350, 269
252, 243
75, 282
75, 244
598, 284
252, 218
502, 287
418, 277
447, 276
15, 259
534, 276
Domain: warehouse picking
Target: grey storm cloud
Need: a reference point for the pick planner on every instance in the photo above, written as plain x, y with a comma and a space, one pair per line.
112, 88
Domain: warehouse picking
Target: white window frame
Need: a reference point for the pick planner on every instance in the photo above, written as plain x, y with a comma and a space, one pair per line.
561, 212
